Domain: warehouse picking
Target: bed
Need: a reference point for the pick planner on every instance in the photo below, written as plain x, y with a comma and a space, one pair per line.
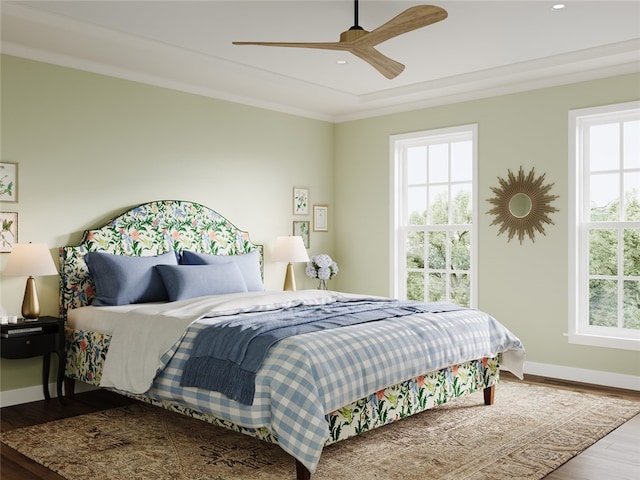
307, 389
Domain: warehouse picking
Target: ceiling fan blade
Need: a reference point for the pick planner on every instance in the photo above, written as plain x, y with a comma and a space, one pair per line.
320, 45
407, 21
385, 65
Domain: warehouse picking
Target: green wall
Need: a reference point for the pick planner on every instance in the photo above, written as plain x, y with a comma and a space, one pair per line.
91, 146
524, 286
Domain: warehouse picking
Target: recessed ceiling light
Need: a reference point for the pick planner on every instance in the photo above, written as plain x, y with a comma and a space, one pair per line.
558, 6
341, 62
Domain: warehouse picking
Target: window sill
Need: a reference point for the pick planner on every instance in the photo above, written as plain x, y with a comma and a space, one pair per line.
605, 341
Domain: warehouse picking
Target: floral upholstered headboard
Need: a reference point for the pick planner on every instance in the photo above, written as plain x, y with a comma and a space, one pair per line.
149, 229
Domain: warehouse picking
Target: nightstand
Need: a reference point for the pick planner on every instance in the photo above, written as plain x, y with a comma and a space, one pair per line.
35, 338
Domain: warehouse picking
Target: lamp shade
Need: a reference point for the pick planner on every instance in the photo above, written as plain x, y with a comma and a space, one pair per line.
290, 249
30, 259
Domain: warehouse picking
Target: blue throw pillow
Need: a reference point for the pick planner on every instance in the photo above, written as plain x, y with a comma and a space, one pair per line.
248, 263
188, 281
122, 279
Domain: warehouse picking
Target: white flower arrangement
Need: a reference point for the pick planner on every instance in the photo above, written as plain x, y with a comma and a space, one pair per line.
322, 267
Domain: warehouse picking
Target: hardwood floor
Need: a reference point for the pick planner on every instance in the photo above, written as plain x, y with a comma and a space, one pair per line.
15, 466
615, 457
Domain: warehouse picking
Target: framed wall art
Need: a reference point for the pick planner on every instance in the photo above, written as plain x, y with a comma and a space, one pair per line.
300, 201
8, 231
320, 218
8, 182
301, 229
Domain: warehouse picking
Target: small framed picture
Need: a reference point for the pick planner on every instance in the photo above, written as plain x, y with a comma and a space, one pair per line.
8, 231
8, 182
300, 201
320, 218
301, 229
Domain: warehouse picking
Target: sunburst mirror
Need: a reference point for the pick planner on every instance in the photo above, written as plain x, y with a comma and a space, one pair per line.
522, 204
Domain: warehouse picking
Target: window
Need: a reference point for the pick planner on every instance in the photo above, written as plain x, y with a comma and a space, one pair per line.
604, 250
433, 211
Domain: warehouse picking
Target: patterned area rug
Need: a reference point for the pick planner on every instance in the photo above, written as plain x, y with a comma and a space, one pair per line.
529, 432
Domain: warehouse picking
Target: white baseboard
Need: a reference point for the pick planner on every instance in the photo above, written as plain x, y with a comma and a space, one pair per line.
608, 379
616, 380
35, 393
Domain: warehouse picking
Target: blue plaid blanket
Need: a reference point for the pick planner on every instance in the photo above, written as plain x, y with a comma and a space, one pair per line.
227, 356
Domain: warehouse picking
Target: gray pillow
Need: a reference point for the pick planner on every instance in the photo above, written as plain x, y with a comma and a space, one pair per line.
123, 279
248, 263
188, 281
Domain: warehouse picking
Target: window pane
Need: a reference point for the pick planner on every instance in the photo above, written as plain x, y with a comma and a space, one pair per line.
605, 197
461, 162
415, 286
438, 205
462, 204
439, 163
632, 144
416, 165
631, 305
632, 196
603, 252
437, 251
604, 147
416, 205
437, 289
460, 287
631, 252
460, 250
415, 250
603, 303
417, 218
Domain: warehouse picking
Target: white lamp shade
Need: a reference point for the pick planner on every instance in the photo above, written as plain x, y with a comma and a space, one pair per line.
30, 259
290, 249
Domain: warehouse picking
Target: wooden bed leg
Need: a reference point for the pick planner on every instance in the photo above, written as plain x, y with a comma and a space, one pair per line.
301, 472
489, 394
69, 386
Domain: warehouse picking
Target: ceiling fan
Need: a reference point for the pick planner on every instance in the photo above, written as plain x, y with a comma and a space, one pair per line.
361, 42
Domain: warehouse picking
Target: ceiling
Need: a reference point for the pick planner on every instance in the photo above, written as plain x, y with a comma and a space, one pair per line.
483, 48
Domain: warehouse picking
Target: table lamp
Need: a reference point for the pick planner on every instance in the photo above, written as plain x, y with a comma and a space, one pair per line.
29, 259
290, 249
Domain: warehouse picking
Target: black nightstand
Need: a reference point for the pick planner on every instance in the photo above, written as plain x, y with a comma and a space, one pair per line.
34, 338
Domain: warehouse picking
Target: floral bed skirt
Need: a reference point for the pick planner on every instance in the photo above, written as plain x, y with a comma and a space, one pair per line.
86, 352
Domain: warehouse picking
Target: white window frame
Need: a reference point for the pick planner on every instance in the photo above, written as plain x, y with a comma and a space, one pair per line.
397, 143
580, 332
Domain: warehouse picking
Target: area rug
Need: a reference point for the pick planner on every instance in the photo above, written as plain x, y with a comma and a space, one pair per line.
529, 432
